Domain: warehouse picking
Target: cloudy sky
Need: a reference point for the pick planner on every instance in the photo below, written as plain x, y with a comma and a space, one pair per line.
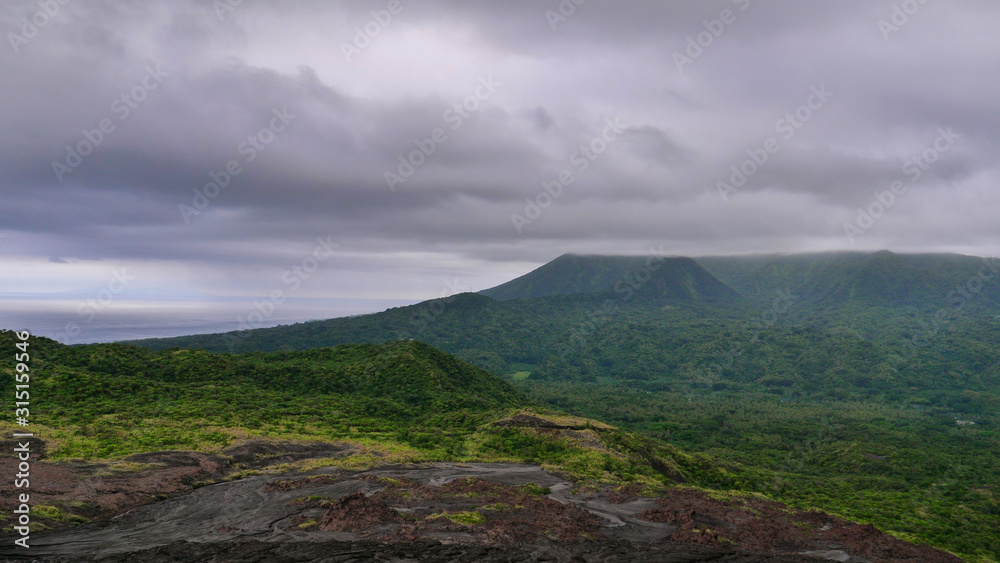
204, 147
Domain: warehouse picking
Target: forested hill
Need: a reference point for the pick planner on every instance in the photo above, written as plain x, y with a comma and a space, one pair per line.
405, 380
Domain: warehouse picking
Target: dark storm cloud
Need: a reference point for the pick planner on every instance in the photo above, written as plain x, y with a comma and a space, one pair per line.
696, 85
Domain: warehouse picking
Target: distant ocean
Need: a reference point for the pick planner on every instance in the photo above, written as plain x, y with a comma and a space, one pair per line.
72, 321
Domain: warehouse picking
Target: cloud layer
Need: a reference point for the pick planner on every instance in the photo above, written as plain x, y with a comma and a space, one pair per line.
441, 139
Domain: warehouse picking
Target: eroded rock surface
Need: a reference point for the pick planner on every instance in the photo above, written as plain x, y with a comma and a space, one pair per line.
432, 512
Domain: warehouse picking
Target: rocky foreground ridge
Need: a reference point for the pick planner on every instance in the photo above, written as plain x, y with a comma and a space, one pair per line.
190, 506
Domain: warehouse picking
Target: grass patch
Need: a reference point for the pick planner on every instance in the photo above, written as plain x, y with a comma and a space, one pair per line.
533, 489
58, 514
465, 517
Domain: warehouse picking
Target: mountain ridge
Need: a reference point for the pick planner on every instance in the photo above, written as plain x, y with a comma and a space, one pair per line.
880, 278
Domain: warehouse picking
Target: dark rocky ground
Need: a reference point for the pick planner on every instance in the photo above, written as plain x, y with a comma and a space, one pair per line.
433, 512
433, 550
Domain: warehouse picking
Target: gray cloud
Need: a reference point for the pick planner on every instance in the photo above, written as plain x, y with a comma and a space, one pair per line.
324, 173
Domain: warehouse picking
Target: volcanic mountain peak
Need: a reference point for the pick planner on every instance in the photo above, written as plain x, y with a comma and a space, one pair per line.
651, 277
